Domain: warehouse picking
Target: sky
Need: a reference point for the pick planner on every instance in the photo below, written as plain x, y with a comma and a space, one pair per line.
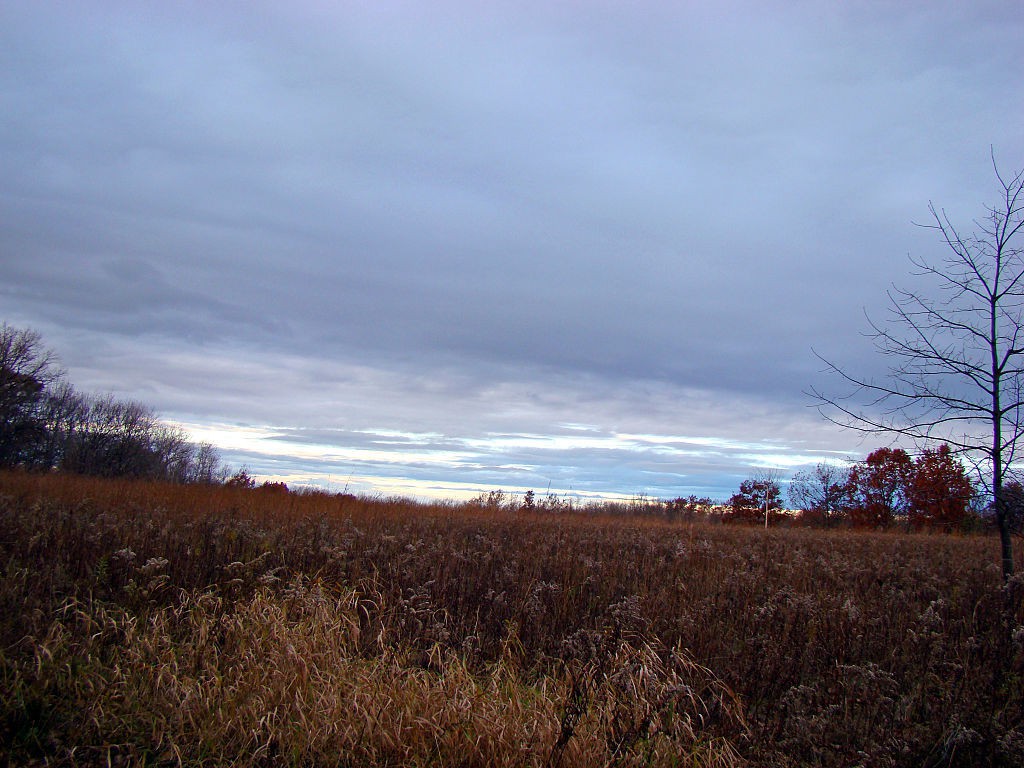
437, 248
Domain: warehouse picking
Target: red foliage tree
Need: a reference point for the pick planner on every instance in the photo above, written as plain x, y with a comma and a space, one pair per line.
757, 498
878, 488
940, 492
241, 479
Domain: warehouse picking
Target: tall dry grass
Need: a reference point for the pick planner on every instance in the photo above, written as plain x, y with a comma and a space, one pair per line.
211, 626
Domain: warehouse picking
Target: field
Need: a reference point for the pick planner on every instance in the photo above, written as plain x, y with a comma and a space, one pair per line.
156, 624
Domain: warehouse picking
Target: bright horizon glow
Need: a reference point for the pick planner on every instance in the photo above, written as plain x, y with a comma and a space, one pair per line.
273, 446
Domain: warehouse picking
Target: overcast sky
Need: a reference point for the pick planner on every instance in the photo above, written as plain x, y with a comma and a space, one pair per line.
432, 248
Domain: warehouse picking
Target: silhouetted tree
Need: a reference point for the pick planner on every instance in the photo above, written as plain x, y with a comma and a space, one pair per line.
241, 479
62, 413
45, 424
822, 493
688, 508
26, 369
529, 502
206, 464
116, 439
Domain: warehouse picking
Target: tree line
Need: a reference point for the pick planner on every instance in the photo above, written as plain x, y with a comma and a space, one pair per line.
46, 424
930, 491
890, 488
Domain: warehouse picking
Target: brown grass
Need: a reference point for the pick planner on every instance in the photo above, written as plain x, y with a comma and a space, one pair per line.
151, 624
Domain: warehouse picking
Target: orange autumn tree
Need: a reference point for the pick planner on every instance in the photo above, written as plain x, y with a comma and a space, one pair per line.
940, 491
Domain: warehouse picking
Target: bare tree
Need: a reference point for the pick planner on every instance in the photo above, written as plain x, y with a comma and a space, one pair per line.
823, 491
957, 359
45, 424
26, 369
63, 412
206, 464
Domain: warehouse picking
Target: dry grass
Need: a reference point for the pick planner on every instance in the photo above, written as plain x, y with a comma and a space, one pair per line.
278, 678
151, 624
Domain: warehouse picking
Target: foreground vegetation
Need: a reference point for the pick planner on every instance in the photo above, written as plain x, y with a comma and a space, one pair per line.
204, 625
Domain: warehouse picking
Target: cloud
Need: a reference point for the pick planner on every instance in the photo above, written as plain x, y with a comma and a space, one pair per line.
466, 221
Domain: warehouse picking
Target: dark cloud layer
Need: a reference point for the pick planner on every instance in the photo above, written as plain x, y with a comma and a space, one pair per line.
467, 222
